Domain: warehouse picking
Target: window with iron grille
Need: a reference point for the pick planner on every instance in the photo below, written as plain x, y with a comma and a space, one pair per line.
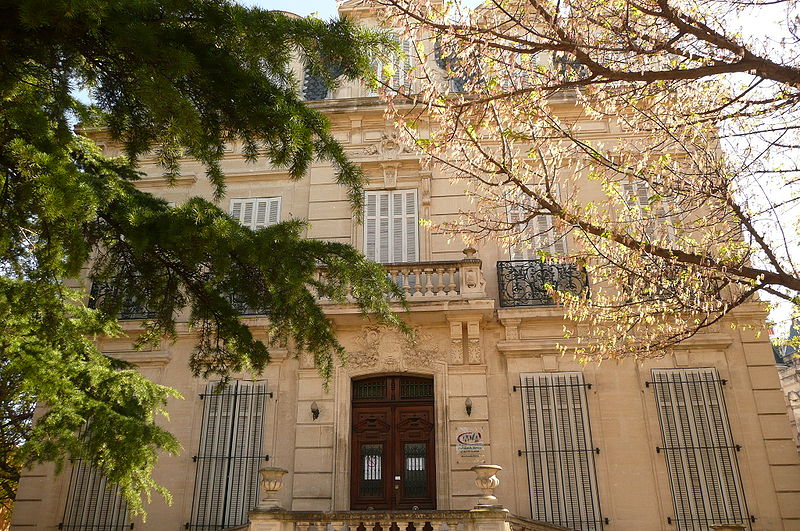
230, 454
698, 448
559, 450
93, 503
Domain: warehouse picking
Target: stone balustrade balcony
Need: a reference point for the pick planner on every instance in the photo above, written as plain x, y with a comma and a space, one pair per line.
432, 281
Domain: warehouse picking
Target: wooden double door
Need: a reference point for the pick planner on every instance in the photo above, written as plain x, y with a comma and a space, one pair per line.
393, 441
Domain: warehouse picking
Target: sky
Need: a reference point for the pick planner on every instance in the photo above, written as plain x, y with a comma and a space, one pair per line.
324, 9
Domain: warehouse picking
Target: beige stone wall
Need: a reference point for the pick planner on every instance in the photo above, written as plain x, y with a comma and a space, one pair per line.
471, 347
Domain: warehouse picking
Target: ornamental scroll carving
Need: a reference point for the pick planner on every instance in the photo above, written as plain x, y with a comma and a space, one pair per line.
389, 147
383, 347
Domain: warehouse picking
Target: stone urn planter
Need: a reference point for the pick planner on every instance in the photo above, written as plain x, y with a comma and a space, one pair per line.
487, 481
271, 482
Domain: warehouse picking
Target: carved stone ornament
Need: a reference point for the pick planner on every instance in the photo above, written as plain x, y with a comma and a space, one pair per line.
389, 147
383, 347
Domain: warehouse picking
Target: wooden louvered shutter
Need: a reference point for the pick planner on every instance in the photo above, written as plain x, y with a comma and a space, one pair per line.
411, 226
256, 213
93, 503
231, 451
267, 212
371, 225
699, 449
404, 226
391, 232
559, 450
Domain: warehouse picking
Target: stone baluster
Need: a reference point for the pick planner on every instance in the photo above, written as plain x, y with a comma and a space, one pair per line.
417, 281
428, 271
394, 276
440, 272
452, 525
436, 525
451, 286
406, 284
338, 525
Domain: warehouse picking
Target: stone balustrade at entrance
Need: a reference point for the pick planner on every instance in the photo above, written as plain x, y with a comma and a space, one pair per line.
474, 520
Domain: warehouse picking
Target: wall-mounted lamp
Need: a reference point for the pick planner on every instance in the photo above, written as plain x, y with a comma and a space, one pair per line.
468, 406
314, 410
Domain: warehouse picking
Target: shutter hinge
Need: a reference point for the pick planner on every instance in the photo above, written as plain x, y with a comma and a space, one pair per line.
266, 458
515, 388
753, 518
669, 520
597, 451
606, 521
519, 453
194, 460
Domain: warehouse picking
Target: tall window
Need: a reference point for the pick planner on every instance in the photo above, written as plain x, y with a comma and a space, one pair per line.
258, 212
93, 503
230, 454
391, 226
698, 448
394, 69
655, 211
559, 450
536, 235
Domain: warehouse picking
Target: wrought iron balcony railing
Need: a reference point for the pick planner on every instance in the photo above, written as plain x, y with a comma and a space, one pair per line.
131, 309
529, 282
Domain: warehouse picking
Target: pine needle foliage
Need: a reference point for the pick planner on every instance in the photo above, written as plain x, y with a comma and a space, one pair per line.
170, 77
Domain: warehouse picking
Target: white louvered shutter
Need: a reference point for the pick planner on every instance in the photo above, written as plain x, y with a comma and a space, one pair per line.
559, 450
391, 224
256, 213
699, 449
411, 226
370, 225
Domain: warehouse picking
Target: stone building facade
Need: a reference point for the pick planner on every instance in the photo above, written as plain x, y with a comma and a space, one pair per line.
695, 439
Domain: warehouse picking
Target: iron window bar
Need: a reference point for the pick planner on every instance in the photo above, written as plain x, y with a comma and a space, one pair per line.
196, 458
671, 520
737, 447
723, 381
586, 385
256, 393
105, 527
572, 450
